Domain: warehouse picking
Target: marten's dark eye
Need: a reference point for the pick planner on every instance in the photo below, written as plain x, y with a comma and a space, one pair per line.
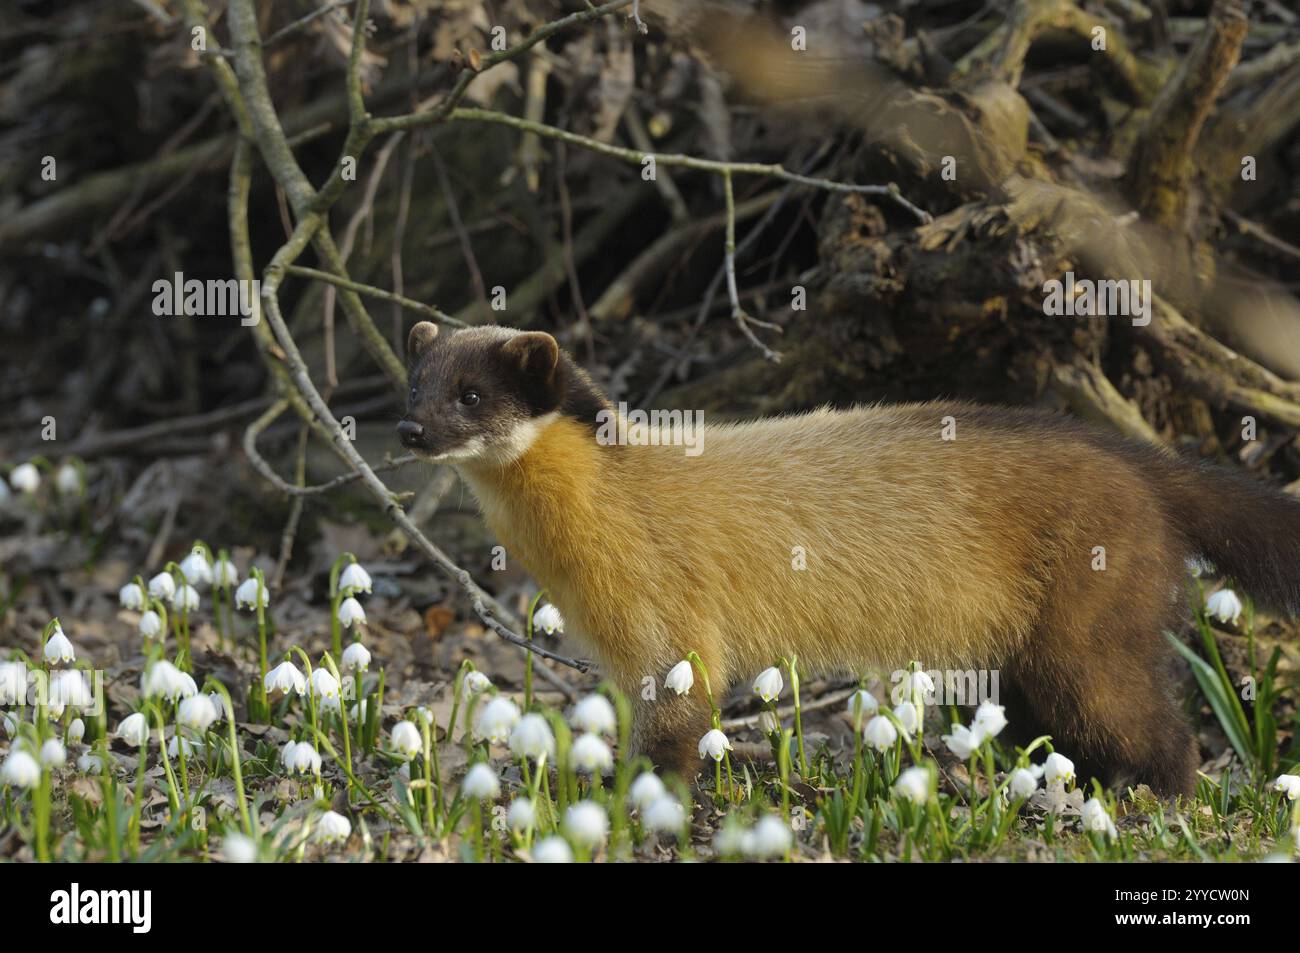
469, 398
414, 393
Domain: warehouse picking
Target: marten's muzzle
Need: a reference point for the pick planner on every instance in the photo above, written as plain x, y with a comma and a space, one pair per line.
411, 434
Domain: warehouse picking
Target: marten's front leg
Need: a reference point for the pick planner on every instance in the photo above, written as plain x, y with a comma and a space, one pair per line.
668, 727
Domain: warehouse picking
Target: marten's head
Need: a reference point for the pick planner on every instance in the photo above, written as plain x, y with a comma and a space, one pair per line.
484, 394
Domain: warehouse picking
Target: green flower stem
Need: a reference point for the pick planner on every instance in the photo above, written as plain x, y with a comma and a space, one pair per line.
336, 597
264, 709
783, 768
173, 798
432, 810
477, 810
792, 666
236, 769
371, 713
465, 668
41, 816
137, 803
528, 656
715, 720
180, 751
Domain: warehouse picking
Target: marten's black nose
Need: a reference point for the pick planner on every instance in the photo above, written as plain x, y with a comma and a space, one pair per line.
409, 432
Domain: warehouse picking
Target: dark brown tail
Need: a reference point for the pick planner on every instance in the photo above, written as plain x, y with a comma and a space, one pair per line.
1247, 529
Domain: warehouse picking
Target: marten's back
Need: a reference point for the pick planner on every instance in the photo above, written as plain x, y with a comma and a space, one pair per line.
882, 539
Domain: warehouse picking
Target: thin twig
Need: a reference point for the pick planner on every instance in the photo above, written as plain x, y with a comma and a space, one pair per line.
636, 157
428, 311
302, 22
258, 462
737, 312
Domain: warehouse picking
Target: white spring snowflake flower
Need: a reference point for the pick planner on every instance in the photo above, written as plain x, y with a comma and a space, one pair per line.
178, 744
476, 683
908, 717
645, 790
67, 480
532, 737
354, 578
162, 679
594, 714
497, 719
301, 758
20, 770
768, 684
197, 713
964, 742
286, 678
552, 850
1224, 606
134, 730
1096, 819
665, 813
356, 657
406, 739
25, 478
246, 594
239, 849
185, 599
990, 719
1023, 783
351, 613
324, 684
69, 689
522, 814
591, 755
13, 683
548, 619
1288, 784
224, 573
481, 783
151, 625
1058, 767
53, 754
90, 763
714, 745
862, 705
586, 823
131, 596
770, 837
333, 827
162, 586
58, 648
880, 733
914, 785
196, 569
680, 678
914, 685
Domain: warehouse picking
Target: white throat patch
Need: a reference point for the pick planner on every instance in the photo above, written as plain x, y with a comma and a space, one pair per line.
522, 437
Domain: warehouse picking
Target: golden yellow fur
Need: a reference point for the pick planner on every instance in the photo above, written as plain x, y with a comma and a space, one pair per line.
915, 547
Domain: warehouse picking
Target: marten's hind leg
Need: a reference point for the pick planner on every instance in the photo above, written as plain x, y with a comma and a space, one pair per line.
1096, 675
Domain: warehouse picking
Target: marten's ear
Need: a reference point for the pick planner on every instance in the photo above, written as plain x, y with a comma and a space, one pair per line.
419, 339
536, 355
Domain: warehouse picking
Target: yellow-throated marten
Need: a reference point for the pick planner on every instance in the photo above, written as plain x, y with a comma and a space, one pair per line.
967, 553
